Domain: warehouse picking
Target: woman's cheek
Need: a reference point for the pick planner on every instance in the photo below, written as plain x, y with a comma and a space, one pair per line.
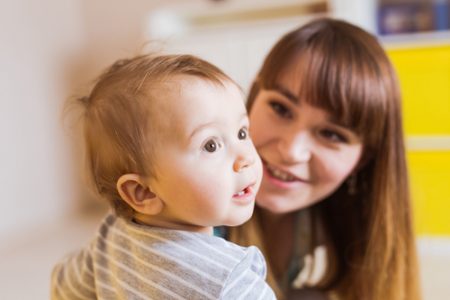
260, 120
263, 131
259, 133
328, 168
341, 167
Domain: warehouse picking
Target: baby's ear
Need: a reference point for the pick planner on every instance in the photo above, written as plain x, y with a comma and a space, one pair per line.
138, 195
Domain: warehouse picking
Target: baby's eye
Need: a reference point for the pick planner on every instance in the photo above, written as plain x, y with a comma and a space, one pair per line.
333, 136
243, 133
280, 109
211, 145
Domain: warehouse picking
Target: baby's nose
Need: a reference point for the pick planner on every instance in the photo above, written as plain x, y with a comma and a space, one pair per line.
243, 160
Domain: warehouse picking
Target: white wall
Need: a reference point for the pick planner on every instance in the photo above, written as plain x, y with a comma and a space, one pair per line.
35, 167
48, 49
359, 12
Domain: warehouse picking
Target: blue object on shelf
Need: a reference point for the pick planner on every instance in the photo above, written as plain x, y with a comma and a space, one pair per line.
441, 11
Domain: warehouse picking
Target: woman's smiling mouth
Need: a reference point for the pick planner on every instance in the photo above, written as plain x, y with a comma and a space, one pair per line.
280, 178
281, 175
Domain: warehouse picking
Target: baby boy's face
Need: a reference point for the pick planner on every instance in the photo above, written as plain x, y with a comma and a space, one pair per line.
207, 169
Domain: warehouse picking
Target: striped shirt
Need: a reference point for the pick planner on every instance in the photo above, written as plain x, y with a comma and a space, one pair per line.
131, 261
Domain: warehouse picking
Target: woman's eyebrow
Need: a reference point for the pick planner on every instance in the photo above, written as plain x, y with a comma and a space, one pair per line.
286, 93
338, 123
332, 119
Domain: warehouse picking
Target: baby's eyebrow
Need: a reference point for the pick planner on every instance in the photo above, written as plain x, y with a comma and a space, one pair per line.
201, 127
244, 115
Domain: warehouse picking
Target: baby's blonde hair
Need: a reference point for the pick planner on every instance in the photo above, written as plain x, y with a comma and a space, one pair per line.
117, 118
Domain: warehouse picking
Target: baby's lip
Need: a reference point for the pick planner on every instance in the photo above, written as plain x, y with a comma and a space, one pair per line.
245, 191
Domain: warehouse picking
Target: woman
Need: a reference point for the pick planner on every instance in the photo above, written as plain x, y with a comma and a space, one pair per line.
325, 118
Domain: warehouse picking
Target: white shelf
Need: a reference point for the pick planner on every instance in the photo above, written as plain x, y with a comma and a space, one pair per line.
428, 142
414, 40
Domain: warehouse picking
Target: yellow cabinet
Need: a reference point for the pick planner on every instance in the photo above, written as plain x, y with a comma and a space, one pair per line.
424, 73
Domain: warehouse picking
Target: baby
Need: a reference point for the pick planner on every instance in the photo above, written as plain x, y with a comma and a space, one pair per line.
168, 146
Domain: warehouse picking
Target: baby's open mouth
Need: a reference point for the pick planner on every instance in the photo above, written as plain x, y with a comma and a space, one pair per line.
246, 191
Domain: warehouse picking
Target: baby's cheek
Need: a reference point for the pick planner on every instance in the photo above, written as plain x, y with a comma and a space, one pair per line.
211, 185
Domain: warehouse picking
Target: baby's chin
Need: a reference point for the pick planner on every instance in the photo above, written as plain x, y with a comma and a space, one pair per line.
238, 220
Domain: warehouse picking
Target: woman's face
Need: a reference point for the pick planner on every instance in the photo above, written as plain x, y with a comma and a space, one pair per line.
306, 154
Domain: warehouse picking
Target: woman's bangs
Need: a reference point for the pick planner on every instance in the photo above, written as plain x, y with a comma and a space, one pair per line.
348, 91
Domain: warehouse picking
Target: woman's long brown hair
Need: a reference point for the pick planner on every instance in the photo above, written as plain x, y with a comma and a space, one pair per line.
370, 240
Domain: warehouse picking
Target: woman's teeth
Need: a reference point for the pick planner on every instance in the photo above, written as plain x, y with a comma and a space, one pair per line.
280, 174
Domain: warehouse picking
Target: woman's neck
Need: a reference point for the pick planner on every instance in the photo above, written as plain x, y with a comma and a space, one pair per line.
271, 223
278, 231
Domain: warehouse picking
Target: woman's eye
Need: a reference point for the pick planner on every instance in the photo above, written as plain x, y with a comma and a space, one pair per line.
280, 109
211, 146
333, 136
243, 133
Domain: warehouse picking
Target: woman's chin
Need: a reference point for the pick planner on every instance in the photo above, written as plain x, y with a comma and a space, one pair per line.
272, 205
279, 205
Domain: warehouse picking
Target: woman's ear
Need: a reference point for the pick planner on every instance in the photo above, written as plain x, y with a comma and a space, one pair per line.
138, 195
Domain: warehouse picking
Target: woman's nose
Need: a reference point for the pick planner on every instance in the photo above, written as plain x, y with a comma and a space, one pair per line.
295, 148
244, 159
